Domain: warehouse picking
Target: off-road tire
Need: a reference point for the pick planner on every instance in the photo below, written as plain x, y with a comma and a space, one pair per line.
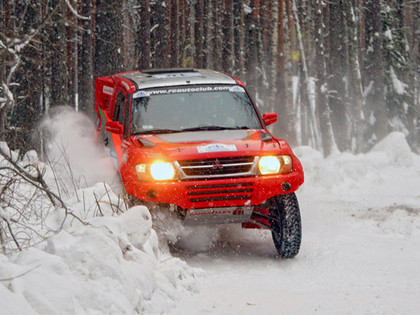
285, 224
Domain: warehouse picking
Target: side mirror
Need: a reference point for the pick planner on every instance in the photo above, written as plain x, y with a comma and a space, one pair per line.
114, 127
269, 118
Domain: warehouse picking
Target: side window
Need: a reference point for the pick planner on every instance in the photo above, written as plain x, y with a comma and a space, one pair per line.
119, 108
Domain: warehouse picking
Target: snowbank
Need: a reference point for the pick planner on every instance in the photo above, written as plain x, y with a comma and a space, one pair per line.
97, 256
390, 169
110, 265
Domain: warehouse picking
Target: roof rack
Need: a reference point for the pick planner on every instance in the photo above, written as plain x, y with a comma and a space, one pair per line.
153, 78
168, 70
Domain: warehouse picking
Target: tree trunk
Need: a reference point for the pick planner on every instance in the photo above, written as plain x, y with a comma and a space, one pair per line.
57, 61
311, 134
227, 41
199, 33
86, 79
355, 88
323, 109
143, 42
374, 74
251, 48
294, 54
238, 38
173, 24
108, 58
338, 74
280, 79
72, 58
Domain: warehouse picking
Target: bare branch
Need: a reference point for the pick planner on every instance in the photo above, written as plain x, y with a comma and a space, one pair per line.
75, 12
21, 275
6, 219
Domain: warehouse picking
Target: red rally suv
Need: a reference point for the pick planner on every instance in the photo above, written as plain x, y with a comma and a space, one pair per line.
193, 141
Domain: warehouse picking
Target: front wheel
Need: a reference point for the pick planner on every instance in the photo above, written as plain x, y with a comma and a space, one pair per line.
285, 224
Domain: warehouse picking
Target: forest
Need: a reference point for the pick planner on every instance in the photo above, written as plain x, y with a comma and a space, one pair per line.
340, 74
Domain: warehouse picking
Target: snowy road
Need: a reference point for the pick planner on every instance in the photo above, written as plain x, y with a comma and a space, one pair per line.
359, 255
347, 265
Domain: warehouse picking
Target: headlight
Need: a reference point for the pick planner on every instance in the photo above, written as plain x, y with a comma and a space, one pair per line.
287, 164
157, 171
162, 171
270, 165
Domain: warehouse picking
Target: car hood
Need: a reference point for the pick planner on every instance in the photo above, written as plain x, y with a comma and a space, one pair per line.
208, 144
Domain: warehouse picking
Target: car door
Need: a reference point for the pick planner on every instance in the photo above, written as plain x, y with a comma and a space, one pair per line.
116, 129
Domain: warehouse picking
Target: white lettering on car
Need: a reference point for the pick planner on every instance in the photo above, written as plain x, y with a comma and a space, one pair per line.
217, 147
108, 90
141, 94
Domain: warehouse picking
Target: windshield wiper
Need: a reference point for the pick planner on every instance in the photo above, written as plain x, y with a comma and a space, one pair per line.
156, 131
201, 128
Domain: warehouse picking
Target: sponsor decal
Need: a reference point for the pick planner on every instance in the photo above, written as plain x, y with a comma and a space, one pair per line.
237, 89
238, 211
108, 90
141, 94
217, 147
196, 89
125, 85
125, 144
210, 212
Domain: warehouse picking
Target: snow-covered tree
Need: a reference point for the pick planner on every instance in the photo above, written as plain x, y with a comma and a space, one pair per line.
339, 73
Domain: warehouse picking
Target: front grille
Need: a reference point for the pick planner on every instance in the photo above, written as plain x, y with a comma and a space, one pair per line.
202, 193
217, 168
220, 198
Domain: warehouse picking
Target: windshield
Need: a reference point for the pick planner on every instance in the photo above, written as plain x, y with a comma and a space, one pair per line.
192, 108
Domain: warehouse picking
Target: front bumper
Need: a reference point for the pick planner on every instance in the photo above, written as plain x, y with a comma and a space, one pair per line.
216, 193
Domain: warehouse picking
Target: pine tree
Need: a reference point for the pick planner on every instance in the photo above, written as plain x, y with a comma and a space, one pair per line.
108, 44
399, 94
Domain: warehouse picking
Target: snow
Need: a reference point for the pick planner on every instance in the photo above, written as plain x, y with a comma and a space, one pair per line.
399, 86
74, 12
247, 9
361, 234
72, 150
359, 253
9, 96
109, 264
388, 34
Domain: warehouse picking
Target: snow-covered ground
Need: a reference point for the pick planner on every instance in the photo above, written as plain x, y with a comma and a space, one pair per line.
359, 255
360, 250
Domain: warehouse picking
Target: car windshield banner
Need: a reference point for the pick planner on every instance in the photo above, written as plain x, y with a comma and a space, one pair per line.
196, 89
